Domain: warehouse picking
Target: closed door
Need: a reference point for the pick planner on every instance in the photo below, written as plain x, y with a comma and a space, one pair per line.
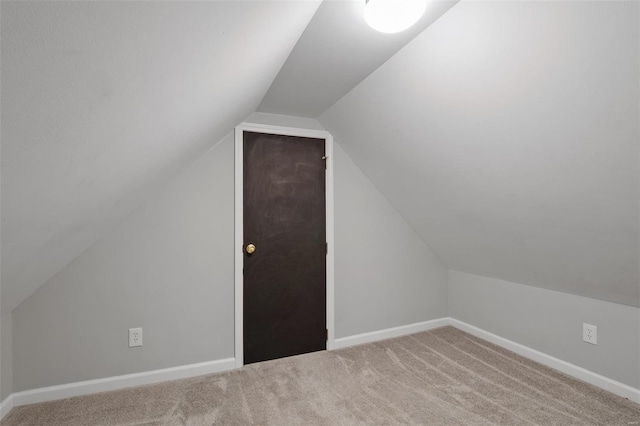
284, 246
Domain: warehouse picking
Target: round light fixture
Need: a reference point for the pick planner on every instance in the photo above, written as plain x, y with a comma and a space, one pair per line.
393, 16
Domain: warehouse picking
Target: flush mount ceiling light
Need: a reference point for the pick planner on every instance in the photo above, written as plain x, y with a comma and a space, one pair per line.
393, 16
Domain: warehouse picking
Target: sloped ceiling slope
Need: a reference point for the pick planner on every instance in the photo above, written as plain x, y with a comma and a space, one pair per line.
507, 134
337, 50
103, 101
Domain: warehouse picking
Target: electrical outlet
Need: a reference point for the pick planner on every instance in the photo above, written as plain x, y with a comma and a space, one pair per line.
135, 337
590, 333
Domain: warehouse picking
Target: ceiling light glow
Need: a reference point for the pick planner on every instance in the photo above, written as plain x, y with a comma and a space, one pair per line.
393, 16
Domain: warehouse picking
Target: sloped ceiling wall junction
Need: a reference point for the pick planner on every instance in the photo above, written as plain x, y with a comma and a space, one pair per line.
507, 135
104, 101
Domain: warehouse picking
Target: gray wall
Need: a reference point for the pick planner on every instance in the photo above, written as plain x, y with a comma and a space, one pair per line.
284, 120
169, 269
551, 322
6, 357
386, 275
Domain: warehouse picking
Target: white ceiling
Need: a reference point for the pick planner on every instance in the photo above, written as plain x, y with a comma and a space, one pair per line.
335, 53
507, 135
104, 101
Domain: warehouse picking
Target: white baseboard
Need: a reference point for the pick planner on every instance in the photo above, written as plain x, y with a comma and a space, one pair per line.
203, 368
119, 382
389, 333
6, 406
583, 374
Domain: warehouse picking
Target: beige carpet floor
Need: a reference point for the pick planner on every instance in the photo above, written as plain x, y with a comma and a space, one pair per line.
439, 377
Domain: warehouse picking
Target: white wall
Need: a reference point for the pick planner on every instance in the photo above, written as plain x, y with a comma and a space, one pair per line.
6, 357
169, 269
551, 322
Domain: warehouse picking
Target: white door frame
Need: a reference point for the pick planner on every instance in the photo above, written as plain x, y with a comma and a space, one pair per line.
239, 225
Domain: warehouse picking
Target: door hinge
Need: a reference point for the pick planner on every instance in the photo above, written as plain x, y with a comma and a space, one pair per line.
325, 161
326, 248
326, 335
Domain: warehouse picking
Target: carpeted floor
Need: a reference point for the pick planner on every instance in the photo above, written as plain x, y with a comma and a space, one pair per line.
439, 377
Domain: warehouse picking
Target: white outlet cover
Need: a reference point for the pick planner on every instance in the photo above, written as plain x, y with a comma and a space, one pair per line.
590, 333
135, 337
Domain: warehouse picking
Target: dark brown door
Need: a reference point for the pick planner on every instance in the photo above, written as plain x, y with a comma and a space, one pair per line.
285, 220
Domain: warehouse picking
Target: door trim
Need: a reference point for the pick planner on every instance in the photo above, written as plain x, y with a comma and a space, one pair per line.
239, 226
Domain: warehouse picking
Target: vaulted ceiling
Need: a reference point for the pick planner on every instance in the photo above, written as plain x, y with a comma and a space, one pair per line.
103, 101
335, 53
506, 133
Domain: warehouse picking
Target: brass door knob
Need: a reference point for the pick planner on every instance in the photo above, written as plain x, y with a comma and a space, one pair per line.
250, 248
